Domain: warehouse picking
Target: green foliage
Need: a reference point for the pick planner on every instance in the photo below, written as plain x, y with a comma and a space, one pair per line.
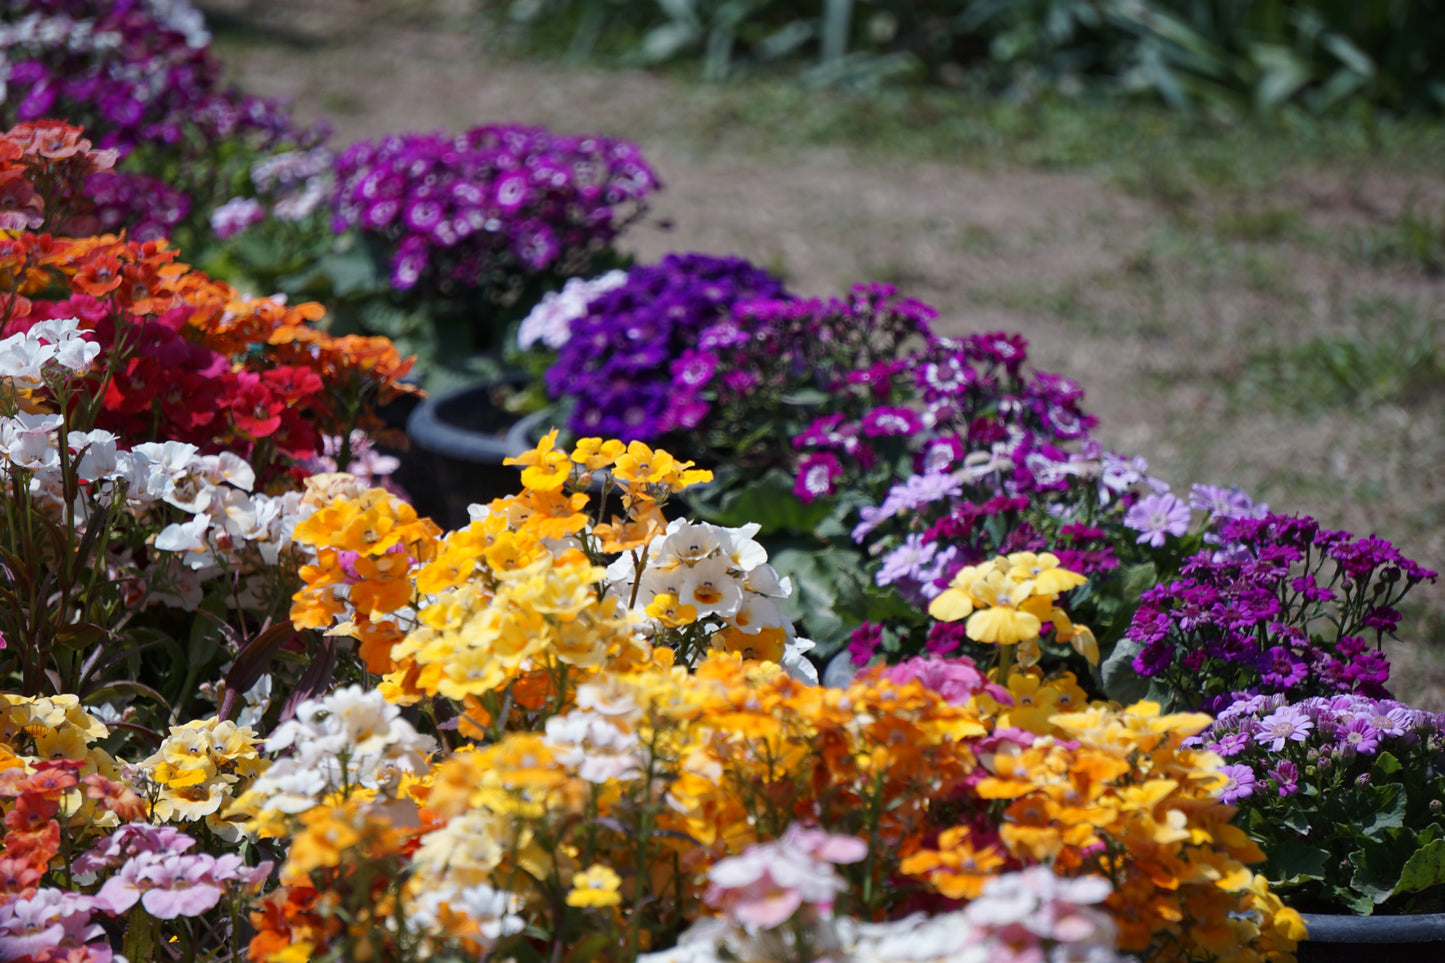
1415, 239
1396, 359
1237, 56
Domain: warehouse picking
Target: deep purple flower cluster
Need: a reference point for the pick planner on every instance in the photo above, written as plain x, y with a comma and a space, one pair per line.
966, 409
147, 207
1283, 606
634, 364
793, 362
492, 206
140, 78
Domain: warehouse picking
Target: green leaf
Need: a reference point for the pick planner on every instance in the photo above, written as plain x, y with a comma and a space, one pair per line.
351, 272
1378, 863
667, 41
1121, 682
769, 501
1422, 870
1385, 765
1295, 861
1386, 810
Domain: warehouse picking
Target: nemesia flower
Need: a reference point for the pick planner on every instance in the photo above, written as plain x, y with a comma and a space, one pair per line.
769, 882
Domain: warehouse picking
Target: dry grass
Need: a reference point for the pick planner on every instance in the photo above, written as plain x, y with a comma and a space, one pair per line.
1259, 308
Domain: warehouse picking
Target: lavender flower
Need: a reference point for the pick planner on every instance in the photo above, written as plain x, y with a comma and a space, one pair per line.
1155, 516
1286, 724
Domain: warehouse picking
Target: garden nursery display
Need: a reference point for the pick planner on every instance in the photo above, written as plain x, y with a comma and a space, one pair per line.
795, 631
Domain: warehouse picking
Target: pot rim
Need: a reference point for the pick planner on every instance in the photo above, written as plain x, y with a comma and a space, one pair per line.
1343, 928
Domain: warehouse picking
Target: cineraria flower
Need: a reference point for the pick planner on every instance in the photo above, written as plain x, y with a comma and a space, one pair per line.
550, 322
1155, 516
1286, 723
1240, 785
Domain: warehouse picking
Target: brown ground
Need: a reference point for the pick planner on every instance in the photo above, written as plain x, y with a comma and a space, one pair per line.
1164, 333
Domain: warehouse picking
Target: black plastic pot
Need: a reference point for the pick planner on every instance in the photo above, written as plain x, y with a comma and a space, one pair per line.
1400, 939
459, 440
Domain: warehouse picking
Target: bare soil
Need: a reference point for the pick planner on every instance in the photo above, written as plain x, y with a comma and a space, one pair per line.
1163, 325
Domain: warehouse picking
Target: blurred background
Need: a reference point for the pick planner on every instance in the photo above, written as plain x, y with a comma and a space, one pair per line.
1225, 219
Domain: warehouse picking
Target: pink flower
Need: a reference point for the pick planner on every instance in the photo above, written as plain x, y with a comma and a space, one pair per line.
49, 921
769, 882
956, 680
175, 884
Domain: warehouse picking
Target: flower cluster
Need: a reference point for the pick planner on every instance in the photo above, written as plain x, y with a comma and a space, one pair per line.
140, 76
68, 804
1007, 601
154, 426
1343, 793
712, 585
634, 364
1279, 605
491, 206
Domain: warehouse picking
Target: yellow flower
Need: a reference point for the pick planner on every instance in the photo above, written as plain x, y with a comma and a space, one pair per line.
667, 610
1009, 612
594, 453
1044, 572
546, 468
597, 886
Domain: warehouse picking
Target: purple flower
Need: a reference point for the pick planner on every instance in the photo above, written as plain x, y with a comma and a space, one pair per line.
1155, 516
906, 561
234, 216
1286, 777
1232, 744
1240, 785
891, 421
1285, 724
1359, 735
1281, 669
817, 474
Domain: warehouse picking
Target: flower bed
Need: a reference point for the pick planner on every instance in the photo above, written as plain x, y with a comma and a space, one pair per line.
256, 706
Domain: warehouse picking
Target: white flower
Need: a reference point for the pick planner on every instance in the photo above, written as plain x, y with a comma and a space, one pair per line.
27, 440
185, 536
227, 467
170, 457
551, 320
98, 455
595, 747
712, 588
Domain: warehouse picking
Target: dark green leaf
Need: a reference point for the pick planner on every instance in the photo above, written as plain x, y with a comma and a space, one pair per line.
1296, 860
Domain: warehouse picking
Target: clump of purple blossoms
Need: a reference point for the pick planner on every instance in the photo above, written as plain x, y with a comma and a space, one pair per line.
491, 207
786, 363
1347, 785
627, 361
139, 76
1282, 606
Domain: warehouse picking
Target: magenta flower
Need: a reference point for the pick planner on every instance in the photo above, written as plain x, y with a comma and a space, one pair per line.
817, 474
956, 680
1155, 516
1359, 735
1286, 776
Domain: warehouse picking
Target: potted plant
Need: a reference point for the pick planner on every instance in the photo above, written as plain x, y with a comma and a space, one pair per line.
1345, 795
